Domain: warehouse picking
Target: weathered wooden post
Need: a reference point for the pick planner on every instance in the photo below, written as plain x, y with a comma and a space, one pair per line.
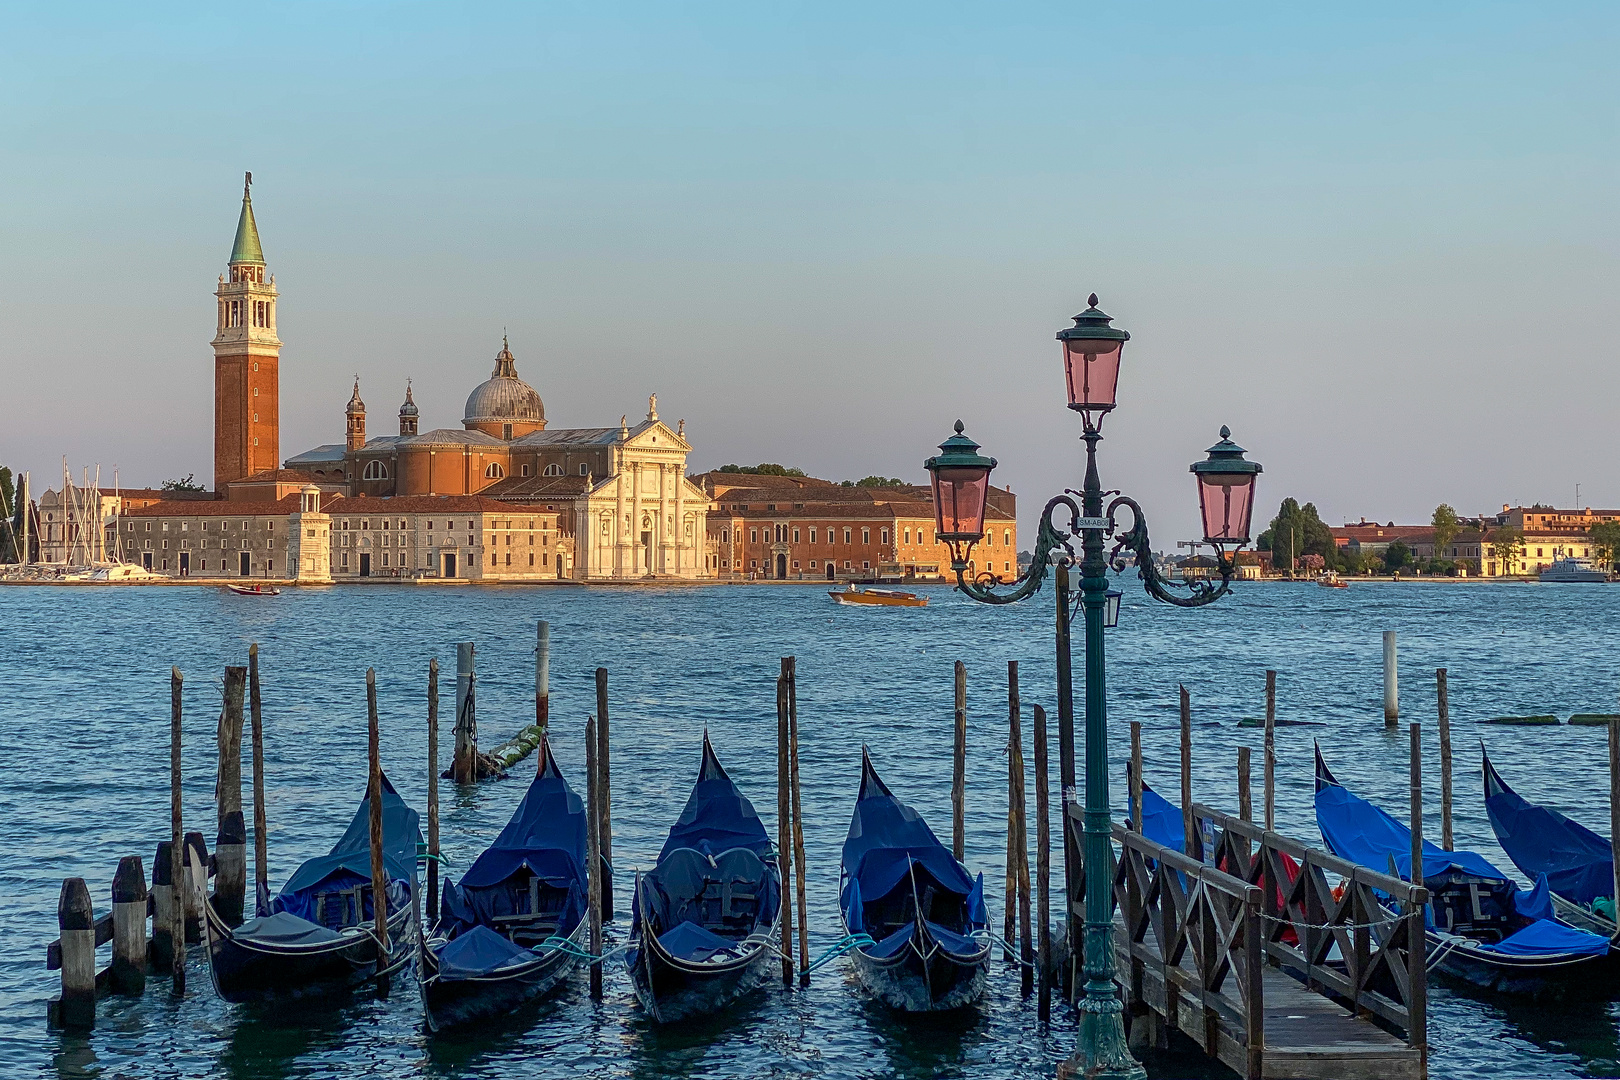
1026, 980
177, 876
1271, 698
128, 970
542, 674
1269, 763
1009, 922
261, 838
1417, 804
195, 885
1133, 782
433, 792
1614, 805
1189, 832
959, 768
784, 824
379, 870
1043, 865
230, 843
464, 767
1392, 694
604, 793
162, 948
791, 668
593, 855
76, 922
1245, 799
1445, 759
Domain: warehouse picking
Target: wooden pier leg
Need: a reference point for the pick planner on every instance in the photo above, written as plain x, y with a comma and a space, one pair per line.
464, 766
230, 842
593, 855
1269, 764
1133, 782
1417, 804
1416, 967
1614, 805
1188, 825
261, 837
1392, 693
959, 769
784, 827
792, 667
433, 792
542, 674
194, 893
379, 871
1009, 922
1026, 950
1043, 867
177, 875
76, 922
1445, 759
604, 793
161, 951
127, 973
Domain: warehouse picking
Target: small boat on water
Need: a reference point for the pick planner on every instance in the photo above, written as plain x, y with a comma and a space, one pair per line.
1570, 569
512, 929
254, 590
705, 921
1330, 580
1577, 863
884, 597
920, 912
318, 935
1483, 928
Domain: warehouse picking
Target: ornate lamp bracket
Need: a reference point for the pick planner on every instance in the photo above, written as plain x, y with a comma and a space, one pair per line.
1135, 540
1049, 541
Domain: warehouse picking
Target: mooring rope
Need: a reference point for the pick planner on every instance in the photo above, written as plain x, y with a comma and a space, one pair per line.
1006, 947
844, 945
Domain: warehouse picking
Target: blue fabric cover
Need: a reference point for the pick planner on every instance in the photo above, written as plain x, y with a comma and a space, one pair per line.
1162, 822
1357, 830
1537, 903
479, 951
885, 837
1577, 861
689, 941
949, 941
1545, 937
545, 837
349, 862
717, 816
893, 943
285, 928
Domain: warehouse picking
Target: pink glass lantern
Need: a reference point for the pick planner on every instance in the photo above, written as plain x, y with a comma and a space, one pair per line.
1092, 349
1226, 492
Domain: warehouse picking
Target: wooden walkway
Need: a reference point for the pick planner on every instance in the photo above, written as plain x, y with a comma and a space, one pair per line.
1268, 967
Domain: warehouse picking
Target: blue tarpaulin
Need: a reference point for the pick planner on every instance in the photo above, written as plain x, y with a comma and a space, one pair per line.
689, 941
479, 951
1578, 862
717, 816
1161, 822
349, 862
1545, 937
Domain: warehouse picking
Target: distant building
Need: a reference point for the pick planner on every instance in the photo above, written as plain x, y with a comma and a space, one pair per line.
1549, 534
801, 528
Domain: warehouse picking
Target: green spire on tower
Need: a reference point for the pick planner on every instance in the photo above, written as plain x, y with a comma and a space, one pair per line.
247, 249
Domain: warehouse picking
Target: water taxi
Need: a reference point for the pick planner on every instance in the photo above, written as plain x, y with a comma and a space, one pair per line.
886, 597
1331, 580
254, 590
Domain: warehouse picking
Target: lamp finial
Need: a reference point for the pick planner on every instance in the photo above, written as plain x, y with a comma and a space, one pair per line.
1092, 300
959, 427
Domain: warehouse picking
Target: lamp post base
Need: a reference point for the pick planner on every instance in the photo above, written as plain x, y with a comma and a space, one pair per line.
1101, 1053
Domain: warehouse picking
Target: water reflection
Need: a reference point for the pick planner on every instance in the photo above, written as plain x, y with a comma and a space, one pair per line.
268, 1042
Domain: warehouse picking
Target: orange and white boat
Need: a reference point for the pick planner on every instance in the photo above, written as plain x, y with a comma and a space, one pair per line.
1332, 581
885, 597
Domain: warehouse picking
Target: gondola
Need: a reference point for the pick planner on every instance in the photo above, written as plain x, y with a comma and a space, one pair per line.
917, 906
705, 920
512, 928
1482, 928
319, 934
1578, 863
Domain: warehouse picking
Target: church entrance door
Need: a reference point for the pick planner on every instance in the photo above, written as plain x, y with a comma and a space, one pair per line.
831, 572
365, 564
245, 564
646, 566
781, 568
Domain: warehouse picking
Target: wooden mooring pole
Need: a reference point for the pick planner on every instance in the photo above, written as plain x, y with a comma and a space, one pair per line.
1417, 804
1445, 759
1009, 921
784, 825
593, 854
230, 842
177, 878
127, 974
379, 871
792, 672
1026, 947
464, 766
76, 923
542, 674
1269, 759
1043, 866
433, 792
1614, 803
1392, 693
1133, 782
261, 838
1245, 798
163, 898
604, 794
1188, 825
959, 768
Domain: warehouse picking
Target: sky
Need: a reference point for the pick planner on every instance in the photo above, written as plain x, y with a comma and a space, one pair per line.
1379, 241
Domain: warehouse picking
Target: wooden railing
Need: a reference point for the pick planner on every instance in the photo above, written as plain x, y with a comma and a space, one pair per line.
1380, 970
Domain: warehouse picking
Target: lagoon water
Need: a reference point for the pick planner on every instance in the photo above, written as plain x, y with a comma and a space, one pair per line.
84, 705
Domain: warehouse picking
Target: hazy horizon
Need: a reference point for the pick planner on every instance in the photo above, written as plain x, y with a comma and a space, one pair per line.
1376, 243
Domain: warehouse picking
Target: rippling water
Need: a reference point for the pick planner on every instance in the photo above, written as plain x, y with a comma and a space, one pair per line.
84, 704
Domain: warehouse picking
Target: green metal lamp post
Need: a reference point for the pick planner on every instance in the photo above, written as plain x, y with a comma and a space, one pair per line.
961, 478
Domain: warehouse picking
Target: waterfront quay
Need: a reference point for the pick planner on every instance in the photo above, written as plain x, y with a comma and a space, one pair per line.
87, 783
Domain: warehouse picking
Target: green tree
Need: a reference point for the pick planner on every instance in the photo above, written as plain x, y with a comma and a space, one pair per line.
1507, 546
1397, 556
188, 483
1606, 542
1298, 531
763, 469
13, 517
1446, 528
880, 482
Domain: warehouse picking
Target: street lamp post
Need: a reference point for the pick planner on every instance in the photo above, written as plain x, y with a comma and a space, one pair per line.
961, 479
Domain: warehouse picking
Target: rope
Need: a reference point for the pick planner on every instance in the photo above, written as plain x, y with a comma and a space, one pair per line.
1284, 921
844, 945
1006, 947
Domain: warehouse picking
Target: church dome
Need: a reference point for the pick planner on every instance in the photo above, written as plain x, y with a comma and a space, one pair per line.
504, 398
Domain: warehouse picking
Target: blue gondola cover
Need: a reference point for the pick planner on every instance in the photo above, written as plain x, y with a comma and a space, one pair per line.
479, 951
1545, 937
1578, 862
717, 816
349, 862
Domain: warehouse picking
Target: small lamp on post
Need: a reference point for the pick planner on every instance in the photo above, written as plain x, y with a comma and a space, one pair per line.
1111, 601
1226, 494
961, 480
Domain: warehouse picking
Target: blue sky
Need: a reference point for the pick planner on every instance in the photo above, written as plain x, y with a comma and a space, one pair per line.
1379, 241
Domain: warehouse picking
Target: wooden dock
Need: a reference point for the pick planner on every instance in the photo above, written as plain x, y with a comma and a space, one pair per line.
1263, 966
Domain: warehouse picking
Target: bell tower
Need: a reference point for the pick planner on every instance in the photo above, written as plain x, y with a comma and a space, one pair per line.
247, 355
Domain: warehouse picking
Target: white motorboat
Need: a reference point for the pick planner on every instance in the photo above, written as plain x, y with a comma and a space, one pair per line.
1572, 569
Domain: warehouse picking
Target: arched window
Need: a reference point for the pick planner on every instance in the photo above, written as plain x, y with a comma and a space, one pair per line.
494, 471
554, 469
375, 470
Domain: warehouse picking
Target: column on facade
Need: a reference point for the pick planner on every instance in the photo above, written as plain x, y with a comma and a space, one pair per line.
664, 540
681, 543
618, 534
636, 550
